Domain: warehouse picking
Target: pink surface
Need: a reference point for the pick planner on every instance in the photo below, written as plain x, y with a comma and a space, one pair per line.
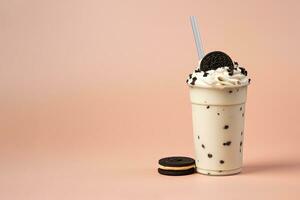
93, 93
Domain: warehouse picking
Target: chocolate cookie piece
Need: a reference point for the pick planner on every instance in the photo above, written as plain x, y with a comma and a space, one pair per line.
177, 172
214, 60
227, 143
176, 161
193, 80
176, 166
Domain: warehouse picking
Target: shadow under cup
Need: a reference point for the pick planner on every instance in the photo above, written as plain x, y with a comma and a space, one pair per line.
218, 126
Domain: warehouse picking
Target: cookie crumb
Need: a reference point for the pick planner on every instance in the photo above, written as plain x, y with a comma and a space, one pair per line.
227, 143
193, 80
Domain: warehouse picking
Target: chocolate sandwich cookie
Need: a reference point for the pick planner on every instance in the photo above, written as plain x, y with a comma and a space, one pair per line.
176, 166
214, 60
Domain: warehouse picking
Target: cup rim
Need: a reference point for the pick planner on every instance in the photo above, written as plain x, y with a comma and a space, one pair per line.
218, 88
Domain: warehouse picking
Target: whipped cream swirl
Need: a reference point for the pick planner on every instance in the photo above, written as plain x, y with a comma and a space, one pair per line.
219, 78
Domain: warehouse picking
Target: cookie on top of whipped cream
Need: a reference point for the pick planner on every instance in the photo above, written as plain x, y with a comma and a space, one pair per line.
216, 69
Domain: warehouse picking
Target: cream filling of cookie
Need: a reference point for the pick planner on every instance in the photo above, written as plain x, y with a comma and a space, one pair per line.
176, 168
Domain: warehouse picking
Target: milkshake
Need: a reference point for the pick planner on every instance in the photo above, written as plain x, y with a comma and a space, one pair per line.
218, 92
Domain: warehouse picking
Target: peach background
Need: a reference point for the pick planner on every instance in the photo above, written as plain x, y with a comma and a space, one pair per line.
93, 93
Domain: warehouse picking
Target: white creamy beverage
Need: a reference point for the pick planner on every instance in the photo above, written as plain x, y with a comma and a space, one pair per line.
218, 97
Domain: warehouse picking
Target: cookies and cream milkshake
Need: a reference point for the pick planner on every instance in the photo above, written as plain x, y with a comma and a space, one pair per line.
218, 92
